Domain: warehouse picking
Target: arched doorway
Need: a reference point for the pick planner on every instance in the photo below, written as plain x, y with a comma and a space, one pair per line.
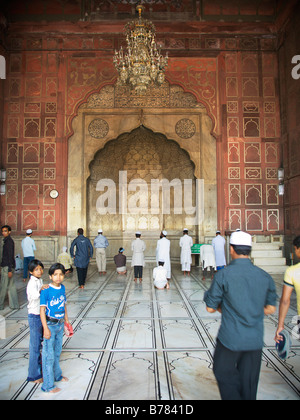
139, 182
115, 133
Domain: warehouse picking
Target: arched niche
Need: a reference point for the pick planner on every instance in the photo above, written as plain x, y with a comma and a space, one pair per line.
170, 115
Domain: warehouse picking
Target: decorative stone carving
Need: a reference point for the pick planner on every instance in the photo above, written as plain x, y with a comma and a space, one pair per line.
98, 128
185, 128
122, 97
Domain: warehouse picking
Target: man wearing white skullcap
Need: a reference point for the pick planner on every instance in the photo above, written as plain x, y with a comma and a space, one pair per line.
160, 280
243, 293
163, 252
28, 248
138, 247
186, 243
218, 244
100, 244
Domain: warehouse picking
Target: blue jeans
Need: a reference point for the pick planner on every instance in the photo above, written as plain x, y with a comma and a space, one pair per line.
35, 346
25, 266
50, 356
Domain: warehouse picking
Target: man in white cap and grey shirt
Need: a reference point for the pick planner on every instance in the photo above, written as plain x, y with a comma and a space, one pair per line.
163, 252
101, 243
28, 247
243, 293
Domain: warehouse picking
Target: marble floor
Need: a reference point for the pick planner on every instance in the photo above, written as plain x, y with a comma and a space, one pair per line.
134, 342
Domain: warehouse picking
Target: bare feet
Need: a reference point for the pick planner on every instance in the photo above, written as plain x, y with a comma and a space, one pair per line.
64, 379
38, 381
54, 391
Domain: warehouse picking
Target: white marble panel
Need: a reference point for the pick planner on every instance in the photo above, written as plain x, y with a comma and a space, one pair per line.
273, 383
168, 294
139, 293
110, 295
14, 371
79, 369
81, 295
90, 334
192, 376
137, 371
196, 294
172, 309
103, 309
13, 328
179, 333
135, 334
137, 310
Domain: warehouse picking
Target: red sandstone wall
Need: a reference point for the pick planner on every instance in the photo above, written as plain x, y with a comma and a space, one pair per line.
49, 75
290, 117
251, 152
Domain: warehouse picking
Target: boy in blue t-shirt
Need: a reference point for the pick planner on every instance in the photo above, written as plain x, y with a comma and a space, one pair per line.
53, 316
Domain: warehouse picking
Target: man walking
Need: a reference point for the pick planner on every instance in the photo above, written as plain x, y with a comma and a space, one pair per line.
186, 243
28, 247
82, 255
101, 243
218, 244
243, 293
7, 267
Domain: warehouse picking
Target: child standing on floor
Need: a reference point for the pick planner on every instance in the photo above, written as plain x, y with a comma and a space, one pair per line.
53, 316
33, 290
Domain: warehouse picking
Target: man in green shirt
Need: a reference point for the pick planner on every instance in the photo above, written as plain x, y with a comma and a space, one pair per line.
243, 293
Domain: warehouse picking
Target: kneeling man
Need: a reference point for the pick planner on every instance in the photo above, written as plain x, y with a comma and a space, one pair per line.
160, 280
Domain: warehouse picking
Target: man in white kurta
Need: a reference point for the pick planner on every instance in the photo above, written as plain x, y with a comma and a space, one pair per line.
218, 244
208, 260
138, 247
186, 243
163, 252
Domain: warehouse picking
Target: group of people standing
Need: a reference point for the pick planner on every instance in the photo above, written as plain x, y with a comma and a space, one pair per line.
242, 293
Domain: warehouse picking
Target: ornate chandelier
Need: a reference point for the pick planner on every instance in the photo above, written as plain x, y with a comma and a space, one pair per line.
142, 64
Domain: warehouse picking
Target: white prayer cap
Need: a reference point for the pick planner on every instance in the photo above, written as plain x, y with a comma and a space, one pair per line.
164, 232
240, 238
64, 249
185, 230
138, 233
100, 230
218, 231
28, 231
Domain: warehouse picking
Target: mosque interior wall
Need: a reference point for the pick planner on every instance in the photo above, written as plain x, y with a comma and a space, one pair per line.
220, 107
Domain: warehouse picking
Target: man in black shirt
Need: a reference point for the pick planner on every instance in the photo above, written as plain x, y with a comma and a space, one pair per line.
7, 267
120, 261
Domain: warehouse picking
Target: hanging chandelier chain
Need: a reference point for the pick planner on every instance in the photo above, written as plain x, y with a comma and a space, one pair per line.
143, 63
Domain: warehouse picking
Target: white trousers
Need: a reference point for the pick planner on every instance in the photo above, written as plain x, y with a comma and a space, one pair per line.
101, 259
